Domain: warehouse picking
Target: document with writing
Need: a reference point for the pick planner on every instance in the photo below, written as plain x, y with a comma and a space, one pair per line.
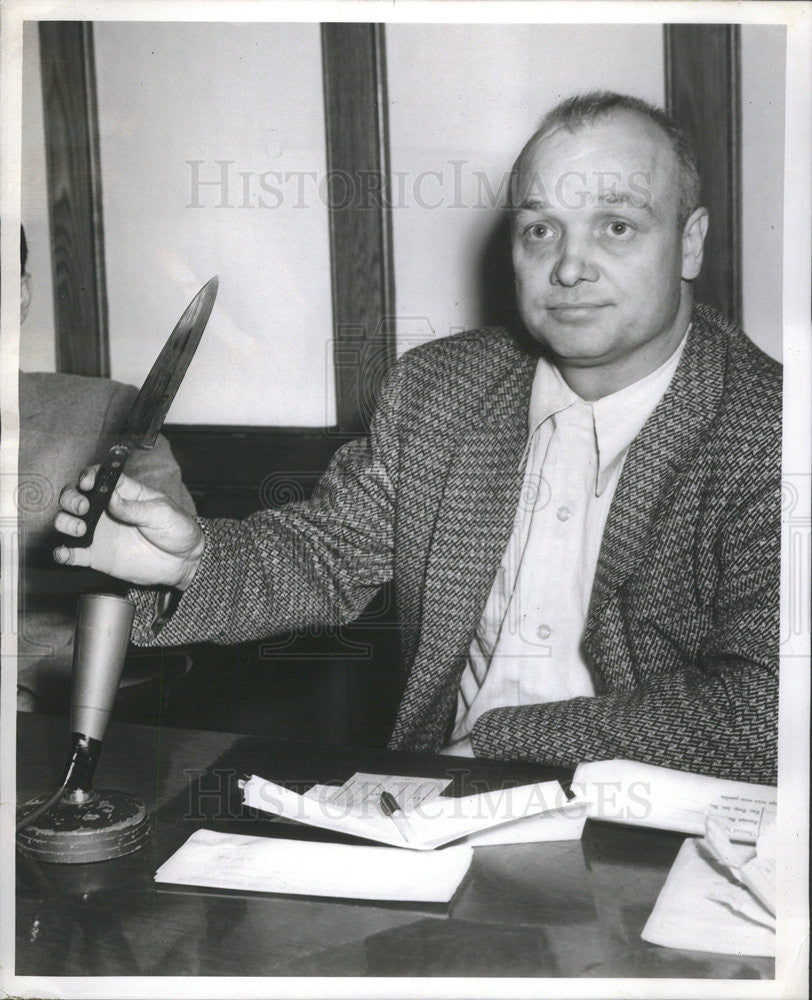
719, 896
433, 820
624, 791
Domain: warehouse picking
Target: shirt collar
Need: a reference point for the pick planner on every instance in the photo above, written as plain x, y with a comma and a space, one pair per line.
618, 418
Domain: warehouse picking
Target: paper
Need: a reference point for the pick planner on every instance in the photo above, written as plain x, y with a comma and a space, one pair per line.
266, 864
701, 908
566, 823
434, 821
363, 788
625, 791
754, 870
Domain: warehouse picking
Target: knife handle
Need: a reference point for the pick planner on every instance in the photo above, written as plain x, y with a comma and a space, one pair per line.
99, 496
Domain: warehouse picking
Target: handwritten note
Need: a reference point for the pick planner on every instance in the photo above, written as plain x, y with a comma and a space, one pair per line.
364, 789
434, 820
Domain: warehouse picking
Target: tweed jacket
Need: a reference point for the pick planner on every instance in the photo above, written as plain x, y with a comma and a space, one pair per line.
682, 630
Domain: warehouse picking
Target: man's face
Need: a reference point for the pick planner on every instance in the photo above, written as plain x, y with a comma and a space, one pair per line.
598, 256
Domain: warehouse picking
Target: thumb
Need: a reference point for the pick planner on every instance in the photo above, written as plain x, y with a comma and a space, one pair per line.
133, 512
67, 556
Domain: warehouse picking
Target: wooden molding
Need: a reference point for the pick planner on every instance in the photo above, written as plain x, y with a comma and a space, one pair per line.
355, 107
74, 197
703, 92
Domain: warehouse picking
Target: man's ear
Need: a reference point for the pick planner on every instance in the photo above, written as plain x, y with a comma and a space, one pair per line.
693, 239
25, 295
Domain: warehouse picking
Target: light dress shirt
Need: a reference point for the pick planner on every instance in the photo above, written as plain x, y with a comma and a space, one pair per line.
527, 648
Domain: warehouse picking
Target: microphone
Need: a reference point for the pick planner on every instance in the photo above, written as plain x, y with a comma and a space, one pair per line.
77, 823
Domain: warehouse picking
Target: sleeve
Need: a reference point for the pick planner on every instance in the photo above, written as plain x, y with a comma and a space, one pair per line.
317, 562
717, 716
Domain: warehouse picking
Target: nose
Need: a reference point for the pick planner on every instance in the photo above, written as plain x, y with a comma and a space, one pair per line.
575, 262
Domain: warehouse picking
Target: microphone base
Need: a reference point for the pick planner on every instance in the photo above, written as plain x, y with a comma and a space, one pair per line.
106, 824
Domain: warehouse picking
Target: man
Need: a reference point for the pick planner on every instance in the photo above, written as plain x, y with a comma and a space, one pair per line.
583, 536
66, 421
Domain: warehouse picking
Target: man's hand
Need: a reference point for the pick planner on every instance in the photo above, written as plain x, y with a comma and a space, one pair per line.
143, 538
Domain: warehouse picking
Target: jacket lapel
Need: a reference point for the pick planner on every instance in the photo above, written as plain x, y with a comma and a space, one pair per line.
656, 460
475, 515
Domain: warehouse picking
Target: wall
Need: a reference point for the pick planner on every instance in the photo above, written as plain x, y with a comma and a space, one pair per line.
763, 91
463, 100
37, 347
174, 99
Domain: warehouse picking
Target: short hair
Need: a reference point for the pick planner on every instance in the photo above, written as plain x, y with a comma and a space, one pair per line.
584, 109
23, 249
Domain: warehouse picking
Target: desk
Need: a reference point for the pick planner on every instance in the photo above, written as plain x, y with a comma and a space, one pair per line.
569, 909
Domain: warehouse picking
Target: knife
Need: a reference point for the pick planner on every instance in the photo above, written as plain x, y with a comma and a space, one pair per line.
151, 404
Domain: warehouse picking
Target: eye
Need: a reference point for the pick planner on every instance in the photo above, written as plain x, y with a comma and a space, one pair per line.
620, 229
538, 231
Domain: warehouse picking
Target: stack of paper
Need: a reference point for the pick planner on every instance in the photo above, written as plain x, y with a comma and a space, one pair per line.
624, 791
719, 897
432, 820
266, 864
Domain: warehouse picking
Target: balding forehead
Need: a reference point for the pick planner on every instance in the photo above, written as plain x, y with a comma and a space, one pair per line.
617, 159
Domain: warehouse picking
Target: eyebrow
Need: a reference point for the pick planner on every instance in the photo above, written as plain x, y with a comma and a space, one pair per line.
609, 200
624, 198
532, 205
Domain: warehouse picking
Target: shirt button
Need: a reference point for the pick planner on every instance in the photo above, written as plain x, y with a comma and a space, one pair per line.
543, 631
563, 513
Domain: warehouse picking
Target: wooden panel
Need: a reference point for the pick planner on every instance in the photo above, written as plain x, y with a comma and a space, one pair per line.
74, 196
702, 68
360, 228
234, 471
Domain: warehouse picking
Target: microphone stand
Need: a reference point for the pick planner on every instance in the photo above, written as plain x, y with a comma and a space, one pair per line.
77, 823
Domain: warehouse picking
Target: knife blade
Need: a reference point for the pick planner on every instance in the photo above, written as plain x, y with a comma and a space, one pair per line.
151, 405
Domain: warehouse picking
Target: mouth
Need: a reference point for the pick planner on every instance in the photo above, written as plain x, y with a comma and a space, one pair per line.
576, 305
576, 311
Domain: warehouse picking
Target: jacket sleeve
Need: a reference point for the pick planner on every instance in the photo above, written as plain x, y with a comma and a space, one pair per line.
317, 562
717, 715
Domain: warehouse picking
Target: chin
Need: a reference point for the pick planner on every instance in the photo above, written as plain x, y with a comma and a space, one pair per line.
573, 347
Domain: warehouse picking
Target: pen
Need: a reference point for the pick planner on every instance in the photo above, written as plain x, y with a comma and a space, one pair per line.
390, 807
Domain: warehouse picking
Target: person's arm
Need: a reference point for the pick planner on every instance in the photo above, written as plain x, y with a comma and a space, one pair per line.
719, 717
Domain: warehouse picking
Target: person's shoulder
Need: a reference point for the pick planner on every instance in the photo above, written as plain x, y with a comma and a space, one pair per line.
82, 390
750, 375
471, 355
746, 434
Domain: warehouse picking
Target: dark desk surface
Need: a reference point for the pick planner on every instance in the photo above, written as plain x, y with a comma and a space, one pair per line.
567, 909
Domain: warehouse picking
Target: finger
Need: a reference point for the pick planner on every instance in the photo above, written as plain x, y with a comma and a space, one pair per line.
66, 556
87, 477
74, 502
67, 525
